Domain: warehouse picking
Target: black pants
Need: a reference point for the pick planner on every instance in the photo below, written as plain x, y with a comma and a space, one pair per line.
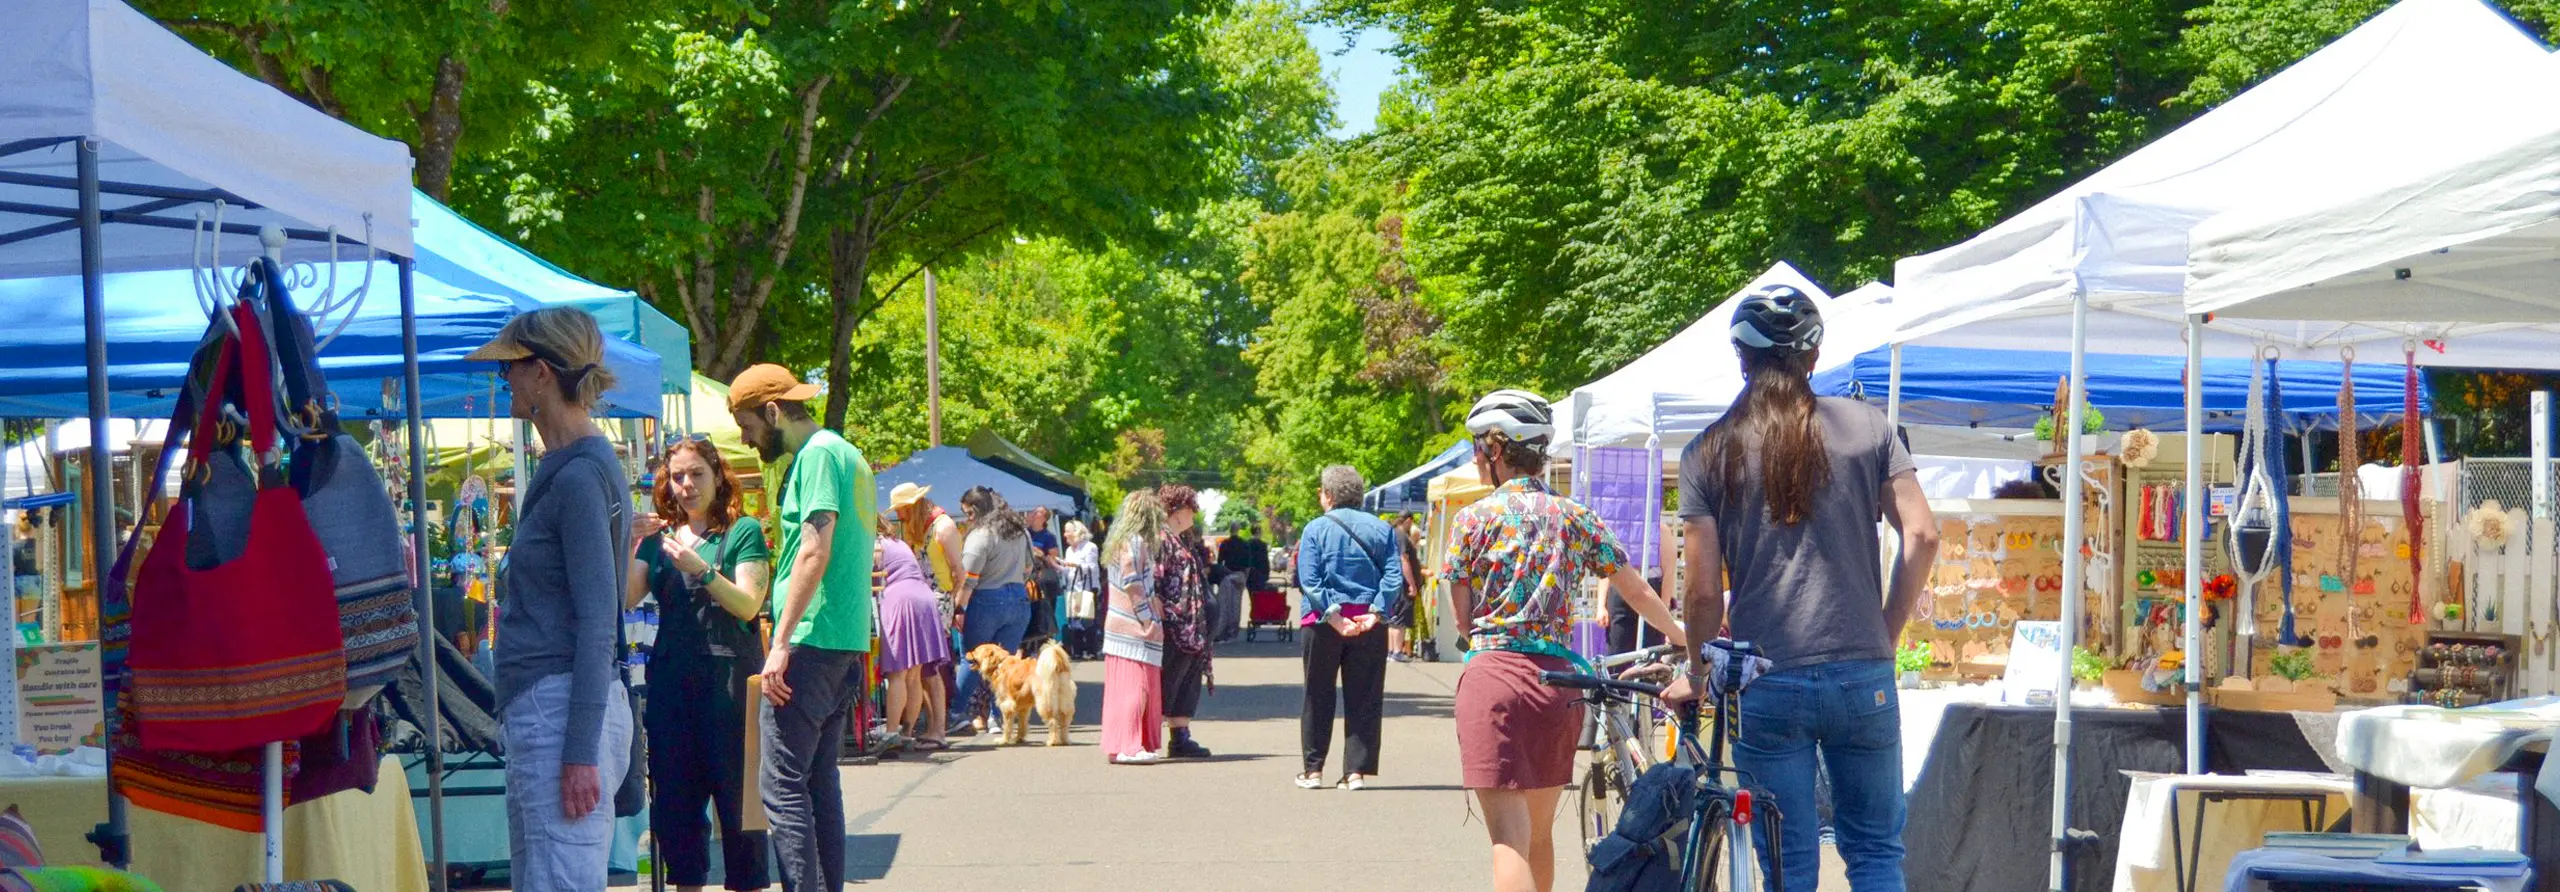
1184, 674
697, 757
803, 795
1360, 664
1627, 631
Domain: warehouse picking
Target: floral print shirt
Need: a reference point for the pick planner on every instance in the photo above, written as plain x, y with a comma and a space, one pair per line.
1527, 551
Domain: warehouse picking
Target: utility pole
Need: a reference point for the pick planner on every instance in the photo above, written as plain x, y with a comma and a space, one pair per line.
932, 361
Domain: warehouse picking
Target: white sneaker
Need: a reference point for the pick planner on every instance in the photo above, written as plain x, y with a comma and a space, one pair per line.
1354, 782
1310, 782
1137, 758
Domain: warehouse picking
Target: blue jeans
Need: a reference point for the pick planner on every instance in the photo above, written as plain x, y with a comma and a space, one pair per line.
996, 616
1851, 713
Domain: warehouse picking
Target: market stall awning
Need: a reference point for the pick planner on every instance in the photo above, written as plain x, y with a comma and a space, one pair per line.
987, 447
175, 128
950, 470
1966, 387
2399, 96
1411, 491
455, 250
2460, 255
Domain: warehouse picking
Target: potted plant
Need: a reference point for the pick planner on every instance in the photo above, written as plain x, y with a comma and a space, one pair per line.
2092, 421
2087, 667
1911, 660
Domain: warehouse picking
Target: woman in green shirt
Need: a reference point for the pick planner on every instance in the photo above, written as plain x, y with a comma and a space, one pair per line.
708, 570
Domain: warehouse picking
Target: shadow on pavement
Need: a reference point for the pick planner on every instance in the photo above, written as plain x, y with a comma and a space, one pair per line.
869, 857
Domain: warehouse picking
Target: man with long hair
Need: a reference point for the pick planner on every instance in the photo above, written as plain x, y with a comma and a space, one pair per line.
1783, 493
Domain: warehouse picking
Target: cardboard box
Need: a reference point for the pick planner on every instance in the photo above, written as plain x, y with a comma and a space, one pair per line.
2126, 684
2272, 694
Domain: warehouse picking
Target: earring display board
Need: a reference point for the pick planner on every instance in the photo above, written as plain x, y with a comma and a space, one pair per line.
1999, 562
2351, 592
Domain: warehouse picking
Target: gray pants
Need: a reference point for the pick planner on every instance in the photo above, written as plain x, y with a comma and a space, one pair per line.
546, 851
803, 796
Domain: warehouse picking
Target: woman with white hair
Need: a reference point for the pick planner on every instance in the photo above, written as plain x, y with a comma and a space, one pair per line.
1083, 560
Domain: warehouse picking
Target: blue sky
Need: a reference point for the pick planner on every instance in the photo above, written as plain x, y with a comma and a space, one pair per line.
1358, 76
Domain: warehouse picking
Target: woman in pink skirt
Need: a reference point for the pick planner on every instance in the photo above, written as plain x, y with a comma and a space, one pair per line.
912, 643
1132, 638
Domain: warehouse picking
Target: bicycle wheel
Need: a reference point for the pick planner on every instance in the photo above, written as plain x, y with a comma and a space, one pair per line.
1708, 846
1742, 865
1597, 800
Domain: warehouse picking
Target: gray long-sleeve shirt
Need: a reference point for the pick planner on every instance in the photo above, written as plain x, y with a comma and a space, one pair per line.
563, 599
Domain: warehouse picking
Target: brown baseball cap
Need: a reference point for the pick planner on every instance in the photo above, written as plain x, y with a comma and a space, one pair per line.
764, 383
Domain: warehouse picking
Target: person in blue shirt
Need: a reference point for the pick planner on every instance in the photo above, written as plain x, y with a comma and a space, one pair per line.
1350, 576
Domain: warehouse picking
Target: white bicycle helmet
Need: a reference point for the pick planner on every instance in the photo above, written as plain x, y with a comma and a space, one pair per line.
1522, 416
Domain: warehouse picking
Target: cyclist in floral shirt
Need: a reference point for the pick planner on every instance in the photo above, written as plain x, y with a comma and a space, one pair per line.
1516, 560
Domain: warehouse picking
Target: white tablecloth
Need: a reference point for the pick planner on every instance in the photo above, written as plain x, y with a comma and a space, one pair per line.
2427, 746
2145, 861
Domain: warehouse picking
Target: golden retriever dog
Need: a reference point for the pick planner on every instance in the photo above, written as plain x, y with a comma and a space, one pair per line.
1023, 686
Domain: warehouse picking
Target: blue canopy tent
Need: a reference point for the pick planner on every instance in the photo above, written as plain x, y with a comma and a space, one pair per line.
1411, 492
1968, 387
455, 251
950, 470
1001, 453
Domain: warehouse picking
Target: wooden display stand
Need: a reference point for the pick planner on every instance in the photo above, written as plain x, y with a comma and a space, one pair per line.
2126, 684
2272, 694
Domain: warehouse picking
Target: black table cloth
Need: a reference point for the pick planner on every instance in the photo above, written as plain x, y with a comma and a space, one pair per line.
1981, 814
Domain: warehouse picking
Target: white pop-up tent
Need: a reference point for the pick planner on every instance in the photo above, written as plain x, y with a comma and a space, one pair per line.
115, 135
2382, 104
2464, 254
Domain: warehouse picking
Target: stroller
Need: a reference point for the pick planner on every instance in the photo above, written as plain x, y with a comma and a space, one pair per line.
1270, 610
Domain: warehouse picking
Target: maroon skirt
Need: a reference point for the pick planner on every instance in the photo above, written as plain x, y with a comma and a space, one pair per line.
1514, 733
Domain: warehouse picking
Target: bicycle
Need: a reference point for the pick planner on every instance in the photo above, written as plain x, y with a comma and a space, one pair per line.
1617, 735
1719, 838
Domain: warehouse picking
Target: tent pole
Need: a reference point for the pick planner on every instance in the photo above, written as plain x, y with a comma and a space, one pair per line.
2191, 534
2074, 572
110, 838
431, 671
1893, 392
2435, 446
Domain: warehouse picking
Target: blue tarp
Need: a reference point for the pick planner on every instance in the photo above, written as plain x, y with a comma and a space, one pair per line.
1961, 387
950, 470
468, 282
1412, 491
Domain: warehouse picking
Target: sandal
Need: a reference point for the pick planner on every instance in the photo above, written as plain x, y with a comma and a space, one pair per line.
933, 745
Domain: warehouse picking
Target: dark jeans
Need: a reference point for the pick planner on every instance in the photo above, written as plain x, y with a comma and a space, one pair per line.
803, 796
996, 616
1843, 720
1184, 675
697, 760
1360, 663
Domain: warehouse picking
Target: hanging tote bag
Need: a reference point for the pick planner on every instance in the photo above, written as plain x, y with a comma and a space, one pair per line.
245, 651
347, 503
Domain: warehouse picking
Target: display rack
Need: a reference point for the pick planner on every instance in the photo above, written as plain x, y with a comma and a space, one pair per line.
2458, 669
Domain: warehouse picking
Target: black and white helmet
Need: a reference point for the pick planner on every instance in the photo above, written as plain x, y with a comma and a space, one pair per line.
1522, 416
1777, 319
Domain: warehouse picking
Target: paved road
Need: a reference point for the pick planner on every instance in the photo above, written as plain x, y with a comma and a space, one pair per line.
1061, 819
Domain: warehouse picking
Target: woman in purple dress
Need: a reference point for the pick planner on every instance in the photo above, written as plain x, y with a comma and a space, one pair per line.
912, 641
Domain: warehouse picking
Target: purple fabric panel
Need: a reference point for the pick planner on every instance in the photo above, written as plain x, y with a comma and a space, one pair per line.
1623, 488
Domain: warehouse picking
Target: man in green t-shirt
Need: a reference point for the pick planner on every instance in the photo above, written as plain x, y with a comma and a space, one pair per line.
813, 673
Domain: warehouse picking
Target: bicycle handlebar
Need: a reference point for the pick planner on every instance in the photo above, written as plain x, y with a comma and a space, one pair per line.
1655, 652
1579, 681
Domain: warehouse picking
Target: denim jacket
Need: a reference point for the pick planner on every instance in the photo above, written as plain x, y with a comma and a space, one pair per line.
1334, 566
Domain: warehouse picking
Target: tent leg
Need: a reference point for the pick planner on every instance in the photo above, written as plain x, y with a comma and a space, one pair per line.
273, 778
1893, 392
2191, 533
2074, 572
430, 671
110, 837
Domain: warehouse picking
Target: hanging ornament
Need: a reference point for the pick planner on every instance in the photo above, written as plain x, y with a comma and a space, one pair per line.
2412, 519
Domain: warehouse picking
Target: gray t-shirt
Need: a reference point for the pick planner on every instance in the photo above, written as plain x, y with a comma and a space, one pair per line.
996, 561
1812, 592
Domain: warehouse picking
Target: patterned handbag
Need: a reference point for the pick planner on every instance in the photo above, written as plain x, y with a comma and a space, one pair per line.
347, 503
244, 651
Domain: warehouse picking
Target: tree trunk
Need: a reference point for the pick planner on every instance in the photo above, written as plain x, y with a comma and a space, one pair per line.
440, 129
847, 285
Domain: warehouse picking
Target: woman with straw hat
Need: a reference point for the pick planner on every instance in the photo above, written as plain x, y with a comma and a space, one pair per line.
936, 541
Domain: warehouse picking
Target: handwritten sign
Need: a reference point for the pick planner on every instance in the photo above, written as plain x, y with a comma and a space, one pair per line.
61, 701
2035, 660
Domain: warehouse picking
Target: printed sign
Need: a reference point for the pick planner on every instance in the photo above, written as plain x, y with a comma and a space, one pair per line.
61, 701
2035, 660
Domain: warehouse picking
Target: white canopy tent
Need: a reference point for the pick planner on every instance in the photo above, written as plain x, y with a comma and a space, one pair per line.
1676, 389
2382, 104
121, 149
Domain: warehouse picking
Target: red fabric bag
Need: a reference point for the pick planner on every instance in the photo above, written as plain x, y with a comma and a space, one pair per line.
246, 651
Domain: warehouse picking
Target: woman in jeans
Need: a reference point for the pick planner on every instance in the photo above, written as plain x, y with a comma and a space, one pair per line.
565, 716
1133, 637
1182, 589
1783, 493
1516, 559
708, 570
992, 605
